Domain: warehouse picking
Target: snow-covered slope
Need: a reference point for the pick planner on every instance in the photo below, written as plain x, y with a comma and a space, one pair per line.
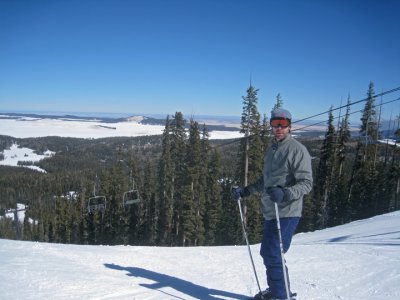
360, 260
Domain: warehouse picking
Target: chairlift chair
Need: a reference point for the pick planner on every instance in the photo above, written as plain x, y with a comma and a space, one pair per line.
96, 203
132, 196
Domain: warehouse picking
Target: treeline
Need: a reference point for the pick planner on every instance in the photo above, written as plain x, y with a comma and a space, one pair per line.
184, 182
355, 180
178, 176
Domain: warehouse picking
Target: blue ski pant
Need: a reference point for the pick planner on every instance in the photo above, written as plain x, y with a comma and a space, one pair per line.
271, 253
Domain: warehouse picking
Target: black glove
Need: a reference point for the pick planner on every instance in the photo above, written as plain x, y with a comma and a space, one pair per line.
236, 193
276, 194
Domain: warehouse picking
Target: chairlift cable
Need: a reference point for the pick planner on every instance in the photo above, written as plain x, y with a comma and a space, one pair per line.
314, 124
350, 104
325, 112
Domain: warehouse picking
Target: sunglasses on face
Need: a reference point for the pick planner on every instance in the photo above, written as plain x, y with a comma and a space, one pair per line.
284, 123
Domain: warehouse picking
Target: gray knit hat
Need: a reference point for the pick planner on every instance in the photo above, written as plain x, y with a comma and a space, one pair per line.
280, 113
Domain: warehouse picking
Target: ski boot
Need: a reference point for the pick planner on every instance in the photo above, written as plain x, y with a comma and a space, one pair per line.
267, 295
263, 295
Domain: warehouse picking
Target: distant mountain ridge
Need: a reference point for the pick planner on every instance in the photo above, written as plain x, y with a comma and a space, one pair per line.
62, 117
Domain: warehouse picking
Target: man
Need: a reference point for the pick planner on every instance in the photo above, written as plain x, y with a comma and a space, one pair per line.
286, 178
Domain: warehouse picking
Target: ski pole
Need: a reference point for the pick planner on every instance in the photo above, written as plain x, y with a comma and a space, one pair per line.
278, 224
247, 242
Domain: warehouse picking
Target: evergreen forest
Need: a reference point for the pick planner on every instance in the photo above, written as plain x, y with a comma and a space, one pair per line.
175, 189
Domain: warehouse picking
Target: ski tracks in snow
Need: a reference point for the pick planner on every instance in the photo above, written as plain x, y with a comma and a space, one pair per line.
348, 273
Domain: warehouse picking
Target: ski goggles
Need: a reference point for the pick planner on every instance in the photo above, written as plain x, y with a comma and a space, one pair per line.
282, 123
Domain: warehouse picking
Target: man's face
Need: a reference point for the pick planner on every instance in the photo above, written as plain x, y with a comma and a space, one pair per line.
280, 129
280, 133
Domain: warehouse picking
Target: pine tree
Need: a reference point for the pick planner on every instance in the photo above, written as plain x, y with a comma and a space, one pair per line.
229, 230
369, 125
6, 229
213, 199
178, 154
171, 180
151, 212
265, 133
251, 160
343, 137
393, 174
308, 221
112, 185
193, 197
279, 101
204, 196
74, 221
166, 173
324, 184
361, 193
341, 209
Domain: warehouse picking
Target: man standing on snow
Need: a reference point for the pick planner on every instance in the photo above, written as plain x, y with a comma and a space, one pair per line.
286, 178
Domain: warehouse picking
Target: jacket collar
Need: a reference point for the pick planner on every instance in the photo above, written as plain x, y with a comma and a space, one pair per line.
276, 143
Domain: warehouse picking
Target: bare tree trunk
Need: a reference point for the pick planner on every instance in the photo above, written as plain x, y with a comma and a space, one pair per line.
246, 172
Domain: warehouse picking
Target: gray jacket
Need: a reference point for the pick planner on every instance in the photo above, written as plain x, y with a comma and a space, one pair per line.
286, 164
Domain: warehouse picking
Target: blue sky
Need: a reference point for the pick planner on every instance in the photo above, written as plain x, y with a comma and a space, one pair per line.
197, 57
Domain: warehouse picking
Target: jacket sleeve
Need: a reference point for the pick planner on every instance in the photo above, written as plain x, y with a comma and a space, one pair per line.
302, 172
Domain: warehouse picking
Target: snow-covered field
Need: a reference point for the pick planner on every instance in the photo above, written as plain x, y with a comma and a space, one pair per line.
360, 260
30, 127
15, 154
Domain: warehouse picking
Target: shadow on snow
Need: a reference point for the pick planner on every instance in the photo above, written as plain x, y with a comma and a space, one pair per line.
392, 239
181, 285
